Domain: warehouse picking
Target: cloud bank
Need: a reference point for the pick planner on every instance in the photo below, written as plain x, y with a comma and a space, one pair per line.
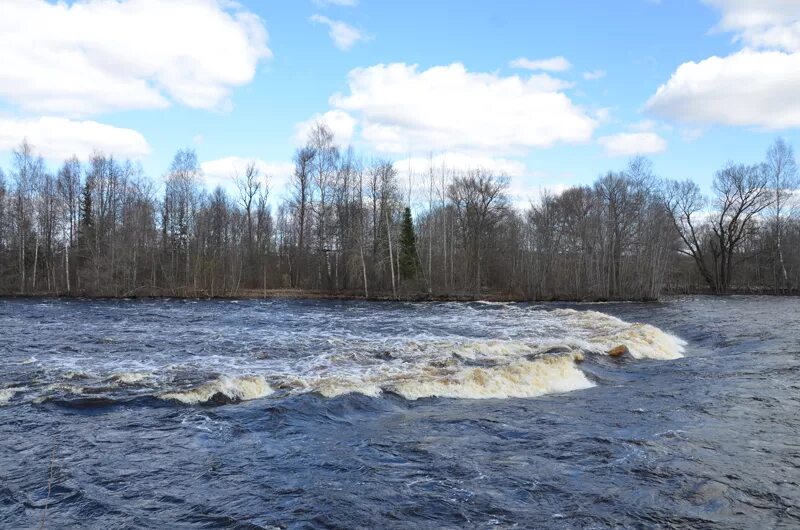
401, 108
754, 87
94, 56
59, 138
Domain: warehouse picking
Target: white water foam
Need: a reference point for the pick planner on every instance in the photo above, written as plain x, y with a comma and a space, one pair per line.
423, 351
130, 378
603, 332
242, 388
523, 379
7, 393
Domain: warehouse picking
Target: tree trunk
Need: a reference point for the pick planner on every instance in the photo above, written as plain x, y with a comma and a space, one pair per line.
391, 258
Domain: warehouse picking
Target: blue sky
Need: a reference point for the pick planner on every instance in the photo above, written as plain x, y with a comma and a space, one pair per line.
554, 93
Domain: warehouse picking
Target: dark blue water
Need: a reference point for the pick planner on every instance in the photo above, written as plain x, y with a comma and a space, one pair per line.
315, 415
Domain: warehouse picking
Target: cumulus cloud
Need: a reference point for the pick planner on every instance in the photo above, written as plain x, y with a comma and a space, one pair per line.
60, 138
633, 143
756, 86
341, 124
92, 56
403, 109
223, 172
748, 88
770, 24
343, 35
553, 64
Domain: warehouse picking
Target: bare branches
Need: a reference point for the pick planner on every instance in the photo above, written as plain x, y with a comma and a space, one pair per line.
101, 227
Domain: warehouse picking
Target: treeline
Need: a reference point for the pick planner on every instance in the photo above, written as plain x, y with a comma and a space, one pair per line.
101, 227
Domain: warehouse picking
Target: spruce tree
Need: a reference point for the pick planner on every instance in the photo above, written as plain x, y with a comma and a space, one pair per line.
86, 223
408, 247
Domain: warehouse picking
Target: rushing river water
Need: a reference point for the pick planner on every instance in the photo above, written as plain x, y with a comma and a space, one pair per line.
305, 414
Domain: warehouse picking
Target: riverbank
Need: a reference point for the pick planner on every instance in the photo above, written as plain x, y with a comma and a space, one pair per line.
307, 294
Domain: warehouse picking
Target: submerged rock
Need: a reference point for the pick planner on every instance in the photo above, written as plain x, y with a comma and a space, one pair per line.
619, 351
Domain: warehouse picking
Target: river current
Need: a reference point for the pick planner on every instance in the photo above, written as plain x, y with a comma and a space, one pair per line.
338, 414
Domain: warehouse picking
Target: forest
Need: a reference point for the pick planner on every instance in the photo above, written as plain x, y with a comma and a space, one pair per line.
353, 227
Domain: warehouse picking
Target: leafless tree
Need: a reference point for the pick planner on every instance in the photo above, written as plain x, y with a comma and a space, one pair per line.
783, 179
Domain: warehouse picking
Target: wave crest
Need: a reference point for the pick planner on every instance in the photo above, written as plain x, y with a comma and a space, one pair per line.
522, 379
603, 332
7, 393
224, 389
129, 378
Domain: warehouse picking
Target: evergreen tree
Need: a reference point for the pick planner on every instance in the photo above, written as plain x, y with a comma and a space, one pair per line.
408, 247
86, 223
87, 215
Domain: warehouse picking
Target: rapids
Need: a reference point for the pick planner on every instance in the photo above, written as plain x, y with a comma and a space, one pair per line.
260, 414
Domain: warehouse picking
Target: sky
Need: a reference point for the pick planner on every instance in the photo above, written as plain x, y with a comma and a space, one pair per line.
551, 93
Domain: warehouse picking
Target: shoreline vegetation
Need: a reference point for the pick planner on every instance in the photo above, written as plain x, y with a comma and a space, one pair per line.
299, 294
349, 227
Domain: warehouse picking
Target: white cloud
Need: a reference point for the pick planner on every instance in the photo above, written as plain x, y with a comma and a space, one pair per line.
770, 24
92, 56
341, 3
634, 143
755, 87
748, 88
344, 35
447, 108
223, 172
553, 64
59, 138
341, 124
594, 75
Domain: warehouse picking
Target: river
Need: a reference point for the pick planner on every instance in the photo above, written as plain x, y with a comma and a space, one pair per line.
339, 414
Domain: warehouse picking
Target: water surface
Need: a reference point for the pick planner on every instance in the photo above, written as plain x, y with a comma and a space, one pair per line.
344, 414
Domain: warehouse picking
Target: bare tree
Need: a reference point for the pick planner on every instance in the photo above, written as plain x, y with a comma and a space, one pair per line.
686, 204
27, 171
301, 199
180, 201
326, 155
69, 189
103, 228
783, 179
479, 200
742, 192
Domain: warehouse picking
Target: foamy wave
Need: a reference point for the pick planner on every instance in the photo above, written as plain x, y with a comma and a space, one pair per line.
76, 374
7, 393
646, 342
491, 303
129, 378
332, 387
492, 349
514, 354
603, 332
521, 379
242, 388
